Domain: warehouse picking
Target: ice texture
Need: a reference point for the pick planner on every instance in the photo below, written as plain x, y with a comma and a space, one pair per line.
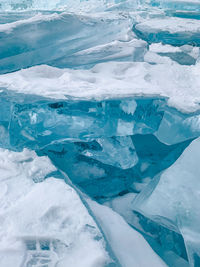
66, 40
96, 142
177, 191
168, 244
106, 147
99, 133
125, 241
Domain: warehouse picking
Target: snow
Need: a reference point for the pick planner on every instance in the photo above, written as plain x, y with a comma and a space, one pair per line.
179, 83
46, 214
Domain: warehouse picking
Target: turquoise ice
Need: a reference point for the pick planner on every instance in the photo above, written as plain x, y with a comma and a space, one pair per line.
99, 133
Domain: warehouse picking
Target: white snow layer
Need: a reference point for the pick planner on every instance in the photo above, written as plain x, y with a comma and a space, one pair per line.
179, 83
43, 222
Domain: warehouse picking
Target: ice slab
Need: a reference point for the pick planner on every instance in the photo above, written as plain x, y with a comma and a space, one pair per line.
165, 243
38, 122
184, 55
128, 245
119, 152
106, 147
170, 30
66, 40
177, 192
111, 80
44, 222
106, 176
185, 5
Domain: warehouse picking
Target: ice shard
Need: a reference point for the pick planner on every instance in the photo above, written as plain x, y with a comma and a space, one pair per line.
177, 191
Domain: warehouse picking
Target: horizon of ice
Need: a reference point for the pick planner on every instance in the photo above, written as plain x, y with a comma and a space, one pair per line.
99, 133
72, 6
97, 5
